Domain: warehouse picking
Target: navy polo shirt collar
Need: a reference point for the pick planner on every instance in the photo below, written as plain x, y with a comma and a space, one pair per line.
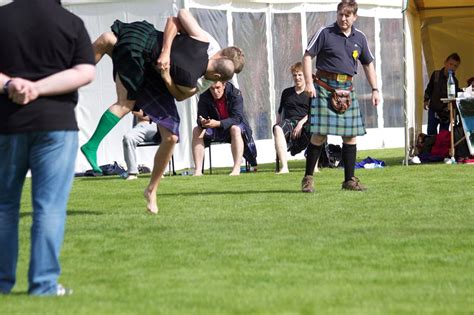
341, 33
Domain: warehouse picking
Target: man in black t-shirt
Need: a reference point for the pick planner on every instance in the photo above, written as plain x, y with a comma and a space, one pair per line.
292, 115
40, 76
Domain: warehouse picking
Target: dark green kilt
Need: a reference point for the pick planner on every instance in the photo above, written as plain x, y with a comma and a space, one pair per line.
325, 121
132, 52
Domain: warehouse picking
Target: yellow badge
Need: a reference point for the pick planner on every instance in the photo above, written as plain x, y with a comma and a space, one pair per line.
341, 77
355, 54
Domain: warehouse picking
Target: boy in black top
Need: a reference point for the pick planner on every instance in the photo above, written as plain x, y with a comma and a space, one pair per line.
292, 115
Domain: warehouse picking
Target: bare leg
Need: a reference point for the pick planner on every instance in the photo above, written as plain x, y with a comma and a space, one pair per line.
198, 149
104, 44
237, 147
162, 157
280, 148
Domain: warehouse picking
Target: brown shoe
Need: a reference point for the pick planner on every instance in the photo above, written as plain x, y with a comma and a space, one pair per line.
307, 185
353, 184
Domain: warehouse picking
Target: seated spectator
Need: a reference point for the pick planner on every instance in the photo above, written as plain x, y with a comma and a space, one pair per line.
221, 119
143, 131
289, 131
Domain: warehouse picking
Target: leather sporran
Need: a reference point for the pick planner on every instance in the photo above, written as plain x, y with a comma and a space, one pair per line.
341, 100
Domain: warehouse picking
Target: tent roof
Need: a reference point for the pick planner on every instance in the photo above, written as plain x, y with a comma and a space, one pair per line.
442, 4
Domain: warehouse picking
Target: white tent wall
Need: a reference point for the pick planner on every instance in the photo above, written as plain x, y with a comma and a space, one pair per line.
98, 96
274, 34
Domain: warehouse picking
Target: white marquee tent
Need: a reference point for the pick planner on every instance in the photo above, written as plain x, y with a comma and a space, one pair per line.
274, 35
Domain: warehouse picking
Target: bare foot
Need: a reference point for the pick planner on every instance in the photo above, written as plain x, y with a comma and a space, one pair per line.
150, 201
283, 171
197, 174
234, 173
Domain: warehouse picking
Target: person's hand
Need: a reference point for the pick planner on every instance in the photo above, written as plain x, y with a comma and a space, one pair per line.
375, 98
310, 90
209, 123
22, 91
138, 113
163, 61
297, 131
426, 104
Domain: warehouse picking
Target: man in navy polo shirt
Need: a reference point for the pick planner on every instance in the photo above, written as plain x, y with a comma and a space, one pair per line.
337, 49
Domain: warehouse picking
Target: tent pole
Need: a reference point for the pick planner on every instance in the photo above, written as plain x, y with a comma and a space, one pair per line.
405, 93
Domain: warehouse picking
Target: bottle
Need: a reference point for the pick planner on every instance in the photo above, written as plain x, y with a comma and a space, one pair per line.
450, 85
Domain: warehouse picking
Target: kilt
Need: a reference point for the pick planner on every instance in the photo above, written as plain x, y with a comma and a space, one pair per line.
219, 134
325, 121
132, 62
157, 102
295, 146
130, 56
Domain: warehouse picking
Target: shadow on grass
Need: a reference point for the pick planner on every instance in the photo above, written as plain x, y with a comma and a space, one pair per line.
394, 161
69, 213
103, 177
21, 293
233, 192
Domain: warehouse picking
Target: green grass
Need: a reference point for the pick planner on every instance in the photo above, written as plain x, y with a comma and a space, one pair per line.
255, 245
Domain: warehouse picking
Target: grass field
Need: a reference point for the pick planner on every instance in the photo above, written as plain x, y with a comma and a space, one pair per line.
254, 244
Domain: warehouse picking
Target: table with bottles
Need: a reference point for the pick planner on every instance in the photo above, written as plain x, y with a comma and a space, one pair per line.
451, 101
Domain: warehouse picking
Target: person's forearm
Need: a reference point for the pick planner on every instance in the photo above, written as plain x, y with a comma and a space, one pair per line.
371, 75
66, 81
190, 26
303, 120
178, 93
308, 75
172, 28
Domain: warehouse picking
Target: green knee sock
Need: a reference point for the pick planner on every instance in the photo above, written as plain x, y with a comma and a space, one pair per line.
106, 123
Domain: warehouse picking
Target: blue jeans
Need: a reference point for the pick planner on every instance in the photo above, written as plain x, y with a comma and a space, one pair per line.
51, 158
433, 122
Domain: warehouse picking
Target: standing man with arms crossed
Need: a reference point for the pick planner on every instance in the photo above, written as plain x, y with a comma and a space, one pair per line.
40, 76
337, 49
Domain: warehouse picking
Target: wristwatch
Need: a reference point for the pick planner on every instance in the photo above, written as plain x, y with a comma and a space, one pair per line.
5, 87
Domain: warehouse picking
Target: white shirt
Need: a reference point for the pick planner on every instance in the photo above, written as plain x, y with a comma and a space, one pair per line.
204, 84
